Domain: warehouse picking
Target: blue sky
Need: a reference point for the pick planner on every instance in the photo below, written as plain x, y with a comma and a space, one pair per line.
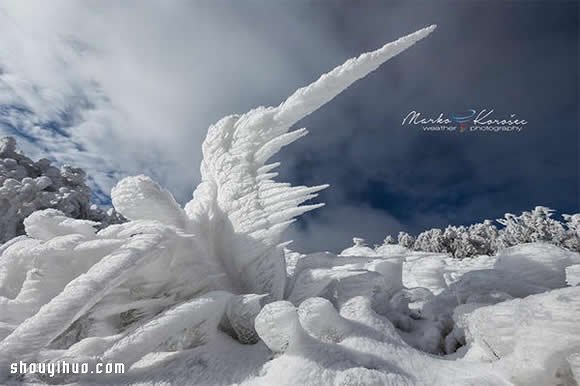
131, 87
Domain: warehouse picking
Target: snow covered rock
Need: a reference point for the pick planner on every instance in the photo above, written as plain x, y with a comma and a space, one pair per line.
321, 320
338, 278
359, 248
470, 285
49, 223
27, 186
574, 361
279, 327
427, 271
240, 315
573, 275
533, 338
537, 263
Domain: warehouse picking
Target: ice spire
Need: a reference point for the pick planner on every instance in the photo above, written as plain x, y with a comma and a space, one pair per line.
238, 207
308, 99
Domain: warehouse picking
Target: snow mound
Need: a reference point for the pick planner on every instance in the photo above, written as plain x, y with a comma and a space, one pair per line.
573, 274
141, 198
50, 223
533, 339
540, 264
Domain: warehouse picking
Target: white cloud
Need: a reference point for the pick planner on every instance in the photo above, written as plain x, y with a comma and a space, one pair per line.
139, 82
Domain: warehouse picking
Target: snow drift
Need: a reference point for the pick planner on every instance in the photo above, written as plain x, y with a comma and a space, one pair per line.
208, 294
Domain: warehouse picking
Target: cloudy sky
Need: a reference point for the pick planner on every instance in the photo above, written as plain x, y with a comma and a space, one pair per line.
130, 87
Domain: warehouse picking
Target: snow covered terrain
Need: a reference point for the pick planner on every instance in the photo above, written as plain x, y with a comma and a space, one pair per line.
209, 294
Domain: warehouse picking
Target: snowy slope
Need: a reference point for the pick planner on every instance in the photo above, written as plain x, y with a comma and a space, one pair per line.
353, 335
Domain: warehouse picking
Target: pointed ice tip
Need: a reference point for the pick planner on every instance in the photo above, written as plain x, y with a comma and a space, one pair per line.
404, 42
414, 37
308, 99
431, 28
422, 33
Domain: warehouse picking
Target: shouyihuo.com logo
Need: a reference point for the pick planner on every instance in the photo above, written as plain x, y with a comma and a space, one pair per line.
471, 120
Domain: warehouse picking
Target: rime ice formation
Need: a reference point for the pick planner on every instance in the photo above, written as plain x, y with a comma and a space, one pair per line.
208, 294
27, 186
537, 225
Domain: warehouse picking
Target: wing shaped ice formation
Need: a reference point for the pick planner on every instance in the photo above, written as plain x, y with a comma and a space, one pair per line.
170, 273
238, 211
238, 207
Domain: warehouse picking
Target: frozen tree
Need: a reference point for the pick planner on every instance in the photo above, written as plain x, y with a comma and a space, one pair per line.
27, 186
406, 240
452, 239
483, 238
572, 237
537, 225
431, 241
477, 239
389, 240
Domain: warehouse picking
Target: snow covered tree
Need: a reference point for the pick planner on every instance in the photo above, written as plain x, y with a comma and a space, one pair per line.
405, 240
431, 241
359, 242
389, 240
483, 238
572, 235
477, 239
537, 225
27, 186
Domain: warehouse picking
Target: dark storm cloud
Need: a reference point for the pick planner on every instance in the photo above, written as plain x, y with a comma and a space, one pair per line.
514, 57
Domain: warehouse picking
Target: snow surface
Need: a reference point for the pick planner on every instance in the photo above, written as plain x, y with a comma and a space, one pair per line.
209, 294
